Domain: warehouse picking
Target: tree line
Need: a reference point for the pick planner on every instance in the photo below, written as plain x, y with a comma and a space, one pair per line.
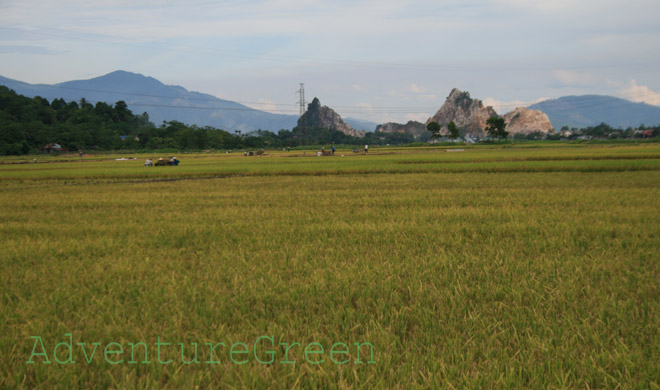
496, 129
29, 125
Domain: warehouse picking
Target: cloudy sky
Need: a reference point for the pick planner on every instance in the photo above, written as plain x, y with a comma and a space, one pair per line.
384, 60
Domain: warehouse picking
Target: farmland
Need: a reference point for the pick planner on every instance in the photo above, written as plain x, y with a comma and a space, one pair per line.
505, 267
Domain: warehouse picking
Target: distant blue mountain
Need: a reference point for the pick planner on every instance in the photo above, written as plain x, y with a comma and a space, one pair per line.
591, 110
359, 124
163, 102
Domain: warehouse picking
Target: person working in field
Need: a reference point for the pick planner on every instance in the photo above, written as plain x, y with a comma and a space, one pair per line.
366, 148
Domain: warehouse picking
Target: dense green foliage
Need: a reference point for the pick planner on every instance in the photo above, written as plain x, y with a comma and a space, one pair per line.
496, 127
603, 130
29, 124
434, 128
452, 130
303, 136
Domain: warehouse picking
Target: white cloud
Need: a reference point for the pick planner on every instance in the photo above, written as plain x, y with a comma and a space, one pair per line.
417, 89
359, 88
641, 94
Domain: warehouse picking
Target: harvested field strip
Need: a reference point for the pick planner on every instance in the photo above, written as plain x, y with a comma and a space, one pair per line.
15, 183
544, 158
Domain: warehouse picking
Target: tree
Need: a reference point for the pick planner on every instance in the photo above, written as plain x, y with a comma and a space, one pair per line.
85, 104
496, 127
121, 108
453, 130
434, 128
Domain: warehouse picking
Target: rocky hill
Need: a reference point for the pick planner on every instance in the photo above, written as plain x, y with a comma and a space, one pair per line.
523, 120
469, 114
412, 127
324, 117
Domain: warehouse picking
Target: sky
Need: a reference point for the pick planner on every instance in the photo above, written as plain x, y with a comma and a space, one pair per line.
384, 60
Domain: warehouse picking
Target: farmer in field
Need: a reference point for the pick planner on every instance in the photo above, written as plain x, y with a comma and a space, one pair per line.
149, 163
333, 149
366, 149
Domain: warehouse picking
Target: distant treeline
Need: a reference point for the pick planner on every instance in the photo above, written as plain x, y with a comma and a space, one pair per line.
29, 125
602, 131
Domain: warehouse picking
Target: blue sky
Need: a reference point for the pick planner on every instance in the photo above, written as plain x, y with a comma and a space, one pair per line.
385, 60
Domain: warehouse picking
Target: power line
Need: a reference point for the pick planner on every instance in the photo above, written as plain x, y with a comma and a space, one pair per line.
302, 104
201, 108
585, 103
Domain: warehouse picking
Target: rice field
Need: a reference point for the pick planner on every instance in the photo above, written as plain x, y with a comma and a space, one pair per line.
491, 267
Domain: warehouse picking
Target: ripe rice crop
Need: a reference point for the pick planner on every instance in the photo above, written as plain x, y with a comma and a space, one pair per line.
490, 268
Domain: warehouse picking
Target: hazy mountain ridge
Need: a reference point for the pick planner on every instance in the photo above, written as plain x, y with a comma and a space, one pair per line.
172, 102
591, 110
165, 102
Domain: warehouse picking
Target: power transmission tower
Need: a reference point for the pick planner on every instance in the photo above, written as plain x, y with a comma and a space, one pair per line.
301, 92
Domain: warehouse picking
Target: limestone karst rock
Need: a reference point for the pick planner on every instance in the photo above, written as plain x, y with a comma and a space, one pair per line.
412, 127
524, 120
470, 115
323, 117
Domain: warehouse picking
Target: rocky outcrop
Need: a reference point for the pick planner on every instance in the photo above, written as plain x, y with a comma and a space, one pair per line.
412, 127
323, 117
469, 114
524, 120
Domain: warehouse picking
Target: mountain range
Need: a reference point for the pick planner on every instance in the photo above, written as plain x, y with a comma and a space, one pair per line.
166, 102
591, 110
